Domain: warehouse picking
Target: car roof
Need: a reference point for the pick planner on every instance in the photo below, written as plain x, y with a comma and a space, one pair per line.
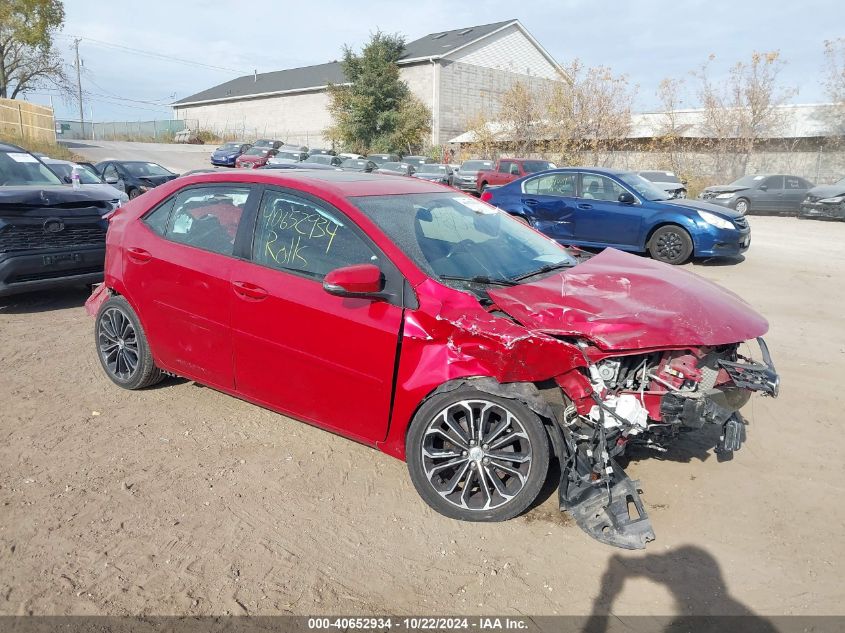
8, 147
342, 183
57, 161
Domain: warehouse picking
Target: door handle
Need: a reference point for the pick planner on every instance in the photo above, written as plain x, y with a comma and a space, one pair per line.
247, 290
584, 205
531, 202
138, 255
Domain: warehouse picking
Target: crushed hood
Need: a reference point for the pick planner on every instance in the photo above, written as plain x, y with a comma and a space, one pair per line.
622, 301
826, 191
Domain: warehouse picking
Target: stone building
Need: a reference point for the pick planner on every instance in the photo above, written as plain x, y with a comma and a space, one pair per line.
457, 74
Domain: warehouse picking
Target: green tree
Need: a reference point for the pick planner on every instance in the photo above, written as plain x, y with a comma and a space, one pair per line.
375, 110
27, 54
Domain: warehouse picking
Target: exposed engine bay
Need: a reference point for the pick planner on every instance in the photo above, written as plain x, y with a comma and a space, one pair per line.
648, 399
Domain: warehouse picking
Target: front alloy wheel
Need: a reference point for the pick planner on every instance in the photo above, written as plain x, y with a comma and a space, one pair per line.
477, 457
670, 244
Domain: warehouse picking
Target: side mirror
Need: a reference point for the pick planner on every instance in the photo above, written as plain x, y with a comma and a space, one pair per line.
626, 198
112, 180
68, 180
363, 281
763, 187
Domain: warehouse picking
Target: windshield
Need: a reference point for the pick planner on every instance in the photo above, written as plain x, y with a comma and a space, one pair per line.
257, 151
644, 187
354, 163
289, 155
454, 235
747, 181
394, 166
86, 176
432, 169
533, 166
145, 170
230, 146
20, 168
320, 158
263, 143
660, 176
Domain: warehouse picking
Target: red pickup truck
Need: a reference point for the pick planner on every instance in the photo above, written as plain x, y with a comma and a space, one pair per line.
508, 169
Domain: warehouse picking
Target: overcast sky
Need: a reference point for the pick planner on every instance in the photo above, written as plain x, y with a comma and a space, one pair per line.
645, 39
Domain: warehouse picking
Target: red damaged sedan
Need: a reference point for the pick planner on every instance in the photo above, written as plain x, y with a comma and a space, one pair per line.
432, 326
255, 157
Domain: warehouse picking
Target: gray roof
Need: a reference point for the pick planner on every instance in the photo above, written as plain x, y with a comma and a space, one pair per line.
435, 44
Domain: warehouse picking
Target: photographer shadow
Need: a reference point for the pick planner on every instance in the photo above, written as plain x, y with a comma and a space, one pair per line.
693, 577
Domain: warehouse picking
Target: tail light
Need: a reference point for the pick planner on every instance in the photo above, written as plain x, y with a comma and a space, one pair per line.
486, 196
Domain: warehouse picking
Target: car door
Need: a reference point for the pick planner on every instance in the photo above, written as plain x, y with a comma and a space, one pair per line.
794, 191
176, 271
769, 195
501, 175
113, 177
599, 216
299, 350
550, 203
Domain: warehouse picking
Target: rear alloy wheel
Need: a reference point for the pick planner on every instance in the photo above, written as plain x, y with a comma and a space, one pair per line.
134, 193
122, 346
741, 206
474, 456
671, 245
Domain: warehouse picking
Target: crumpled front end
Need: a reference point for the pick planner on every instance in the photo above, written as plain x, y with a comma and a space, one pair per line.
648, 399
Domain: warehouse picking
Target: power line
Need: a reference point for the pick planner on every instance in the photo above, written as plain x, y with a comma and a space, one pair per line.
155, 55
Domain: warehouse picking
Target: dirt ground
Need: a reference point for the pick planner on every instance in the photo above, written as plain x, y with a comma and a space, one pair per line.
182, 500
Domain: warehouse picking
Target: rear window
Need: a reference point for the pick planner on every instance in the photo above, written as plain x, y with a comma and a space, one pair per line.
22, 168
533, 166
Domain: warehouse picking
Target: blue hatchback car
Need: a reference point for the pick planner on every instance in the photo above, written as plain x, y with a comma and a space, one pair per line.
227, 154
599, 208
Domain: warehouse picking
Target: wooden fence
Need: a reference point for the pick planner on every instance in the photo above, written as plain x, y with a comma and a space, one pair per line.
26, 120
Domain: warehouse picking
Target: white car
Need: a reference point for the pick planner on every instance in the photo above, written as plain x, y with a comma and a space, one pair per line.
88, 178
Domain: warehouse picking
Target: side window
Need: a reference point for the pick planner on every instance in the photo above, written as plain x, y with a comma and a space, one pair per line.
514, 169
551, 185
158, 217
595, 187
208, 217
110, 172
505, 167
294, 234
774, 182
794, 183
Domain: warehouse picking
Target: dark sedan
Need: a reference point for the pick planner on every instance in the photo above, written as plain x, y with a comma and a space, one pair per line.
324, 159
416, 161
358, 164
267, 143
384, 158
436, 172
400, 169
134, 176
769, 193
825, 201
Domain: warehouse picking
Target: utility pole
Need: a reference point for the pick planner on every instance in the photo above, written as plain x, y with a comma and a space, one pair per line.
79, 86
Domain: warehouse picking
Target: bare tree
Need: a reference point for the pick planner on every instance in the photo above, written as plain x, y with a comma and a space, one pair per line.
521, 112
589, 115
484, 135
743, 108
834, 85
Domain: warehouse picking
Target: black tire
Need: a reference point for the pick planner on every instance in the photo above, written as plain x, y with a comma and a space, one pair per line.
517, 455
134, 193
483, 188
119, 338
670, 244
742, 205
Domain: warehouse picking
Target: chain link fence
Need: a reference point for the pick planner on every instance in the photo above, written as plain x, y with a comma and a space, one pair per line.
163, 130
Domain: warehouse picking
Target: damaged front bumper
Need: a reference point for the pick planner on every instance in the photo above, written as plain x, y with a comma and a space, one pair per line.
595, 490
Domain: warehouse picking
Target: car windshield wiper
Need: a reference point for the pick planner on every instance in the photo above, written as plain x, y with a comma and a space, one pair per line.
543, 269
480, 279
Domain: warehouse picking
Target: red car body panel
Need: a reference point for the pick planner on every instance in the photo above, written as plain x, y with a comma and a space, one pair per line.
623, 302
283, 342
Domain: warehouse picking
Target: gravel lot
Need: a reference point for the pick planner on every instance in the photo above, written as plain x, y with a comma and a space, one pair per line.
182, 500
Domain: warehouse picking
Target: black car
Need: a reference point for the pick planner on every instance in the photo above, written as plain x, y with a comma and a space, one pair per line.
436, 172
358, 164
416, 161
267, 143
323, 159
378, 159
824, 201
316, 151
134, 176
50, 233
400, 169
770, 193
